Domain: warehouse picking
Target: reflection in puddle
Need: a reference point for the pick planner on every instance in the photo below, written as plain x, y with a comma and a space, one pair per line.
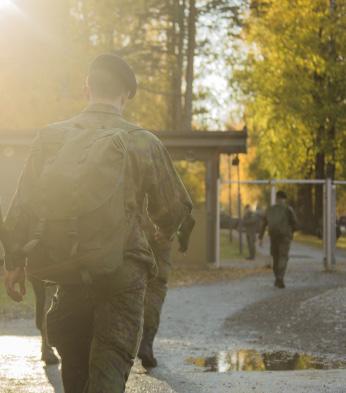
251, 360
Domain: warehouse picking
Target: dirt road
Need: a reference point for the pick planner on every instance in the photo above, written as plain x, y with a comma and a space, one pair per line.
203, 321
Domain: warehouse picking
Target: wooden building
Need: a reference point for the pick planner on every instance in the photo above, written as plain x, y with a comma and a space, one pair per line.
205, 146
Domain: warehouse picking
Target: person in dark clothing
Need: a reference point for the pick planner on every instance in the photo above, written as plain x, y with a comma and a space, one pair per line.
250, 224
281, 221
43, 297
96, 318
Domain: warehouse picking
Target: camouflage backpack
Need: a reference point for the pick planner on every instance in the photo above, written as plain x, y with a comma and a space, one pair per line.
278, 217
78, 221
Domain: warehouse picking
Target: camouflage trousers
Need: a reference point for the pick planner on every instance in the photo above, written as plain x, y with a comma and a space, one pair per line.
43, 298
154, 298
97, 328
251, 244
280, 247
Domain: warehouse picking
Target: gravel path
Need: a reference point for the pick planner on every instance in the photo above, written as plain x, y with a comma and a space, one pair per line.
204, 320
252, 314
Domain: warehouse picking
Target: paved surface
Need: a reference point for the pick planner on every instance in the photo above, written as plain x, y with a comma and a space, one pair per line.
195, 324
304, 252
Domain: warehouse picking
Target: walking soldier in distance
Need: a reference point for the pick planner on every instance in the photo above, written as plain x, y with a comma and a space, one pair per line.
281, 221
76, 219
250, 223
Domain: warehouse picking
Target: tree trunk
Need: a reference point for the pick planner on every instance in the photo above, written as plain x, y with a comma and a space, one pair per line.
305, 208
176, 36
191, 48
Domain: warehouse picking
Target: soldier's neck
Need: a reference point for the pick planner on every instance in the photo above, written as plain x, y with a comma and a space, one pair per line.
116, 104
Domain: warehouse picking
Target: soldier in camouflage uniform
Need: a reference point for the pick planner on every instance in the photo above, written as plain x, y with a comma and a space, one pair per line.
282, 222
157, 287
250, 223
43, 297
96, 326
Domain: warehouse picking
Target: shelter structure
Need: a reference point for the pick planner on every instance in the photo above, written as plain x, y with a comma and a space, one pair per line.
205, 146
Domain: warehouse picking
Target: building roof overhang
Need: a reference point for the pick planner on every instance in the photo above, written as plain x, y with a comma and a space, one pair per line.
193, 145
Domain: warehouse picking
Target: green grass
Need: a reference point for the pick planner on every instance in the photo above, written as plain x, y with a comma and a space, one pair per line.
316, 242
10, 309
229, 250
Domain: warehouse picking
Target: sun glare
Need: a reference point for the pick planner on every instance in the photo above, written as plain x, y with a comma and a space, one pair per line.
6, 4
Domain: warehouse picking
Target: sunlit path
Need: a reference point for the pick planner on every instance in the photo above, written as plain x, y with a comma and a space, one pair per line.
22, 371
21, 368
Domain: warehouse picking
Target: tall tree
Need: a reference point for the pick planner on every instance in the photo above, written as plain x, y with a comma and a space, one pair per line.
295, 89
190, 68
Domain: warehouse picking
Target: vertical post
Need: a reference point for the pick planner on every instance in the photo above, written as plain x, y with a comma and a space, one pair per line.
325, 231
272, 192
230, 198
212, 175
218, 232
333, 227
329, 235
240, 226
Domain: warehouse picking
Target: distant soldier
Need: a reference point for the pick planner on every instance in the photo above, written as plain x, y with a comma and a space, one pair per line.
282, 222
157, 288
250, 223
260, 213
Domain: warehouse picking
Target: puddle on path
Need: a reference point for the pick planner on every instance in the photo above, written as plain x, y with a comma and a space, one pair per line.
251, 360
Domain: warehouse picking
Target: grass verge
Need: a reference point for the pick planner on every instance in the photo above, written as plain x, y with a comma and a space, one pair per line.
228, 249
314, 241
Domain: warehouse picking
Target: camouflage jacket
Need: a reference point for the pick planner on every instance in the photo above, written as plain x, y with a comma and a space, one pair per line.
250, 222
151, 174
290, 227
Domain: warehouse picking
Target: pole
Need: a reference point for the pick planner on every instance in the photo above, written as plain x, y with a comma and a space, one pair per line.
333, 227
273, 192
218, 237
230, 197
240, 226
329, 231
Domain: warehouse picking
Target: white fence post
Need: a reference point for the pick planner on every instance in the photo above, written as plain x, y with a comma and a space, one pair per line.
218, 229
329, 225
324, 227
333, 226
273, 192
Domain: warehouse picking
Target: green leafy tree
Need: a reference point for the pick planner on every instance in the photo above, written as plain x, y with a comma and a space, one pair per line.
295, 89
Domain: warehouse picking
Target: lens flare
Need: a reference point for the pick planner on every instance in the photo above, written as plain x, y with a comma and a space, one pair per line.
6, 4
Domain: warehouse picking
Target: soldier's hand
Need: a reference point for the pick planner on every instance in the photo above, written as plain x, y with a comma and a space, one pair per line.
15, 284
160, 238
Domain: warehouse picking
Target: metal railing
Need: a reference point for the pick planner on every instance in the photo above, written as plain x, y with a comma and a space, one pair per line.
329, 213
